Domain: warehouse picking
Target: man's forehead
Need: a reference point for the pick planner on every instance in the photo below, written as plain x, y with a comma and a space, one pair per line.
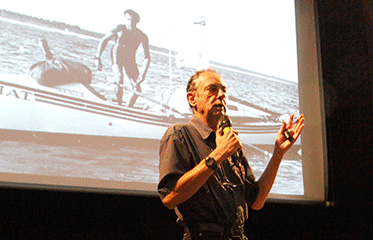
208, 78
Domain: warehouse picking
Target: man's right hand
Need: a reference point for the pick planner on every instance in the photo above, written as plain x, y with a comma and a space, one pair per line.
98, 64
226, 144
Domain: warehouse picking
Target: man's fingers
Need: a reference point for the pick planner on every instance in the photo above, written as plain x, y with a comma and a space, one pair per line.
234, 139
290, 121
298, 127
283, 127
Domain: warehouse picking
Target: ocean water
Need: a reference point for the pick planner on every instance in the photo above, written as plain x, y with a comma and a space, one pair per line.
19, 50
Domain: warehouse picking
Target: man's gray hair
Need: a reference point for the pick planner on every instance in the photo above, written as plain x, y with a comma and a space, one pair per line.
192, 83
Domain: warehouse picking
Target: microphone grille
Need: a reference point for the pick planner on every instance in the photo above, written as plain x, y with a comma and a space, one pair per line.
225, 121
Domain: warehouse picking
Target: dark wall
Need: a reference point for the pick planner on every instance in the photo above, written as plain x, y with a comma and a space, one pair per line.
346, 42
345, 29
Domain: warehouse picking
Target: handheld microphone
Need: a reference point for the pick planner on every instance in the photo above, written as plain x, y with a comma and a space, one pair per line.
226, 125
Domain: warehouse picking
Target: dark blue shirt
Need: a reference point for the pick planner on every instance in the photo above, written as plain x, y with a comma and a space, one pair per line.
225, 196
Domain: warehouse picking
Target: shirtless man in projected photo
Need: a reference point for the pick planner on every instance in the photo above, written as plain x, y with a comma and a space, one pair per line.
128, 39
202, 178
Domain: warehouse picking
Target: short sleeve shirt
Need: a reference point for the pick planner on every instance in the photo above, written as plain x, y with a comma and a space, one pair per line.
225, 196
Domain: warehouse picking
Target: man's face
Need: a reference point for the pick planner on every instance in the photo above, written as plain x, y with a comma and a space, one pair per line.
129, 21
210, 96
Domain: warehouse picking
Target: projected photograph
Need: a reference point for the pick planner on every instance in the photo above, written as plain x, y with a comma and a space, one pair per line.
88, 89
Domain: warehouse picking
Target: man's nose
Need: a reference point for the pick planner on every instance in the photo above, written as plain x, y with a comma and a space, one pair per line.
221, 93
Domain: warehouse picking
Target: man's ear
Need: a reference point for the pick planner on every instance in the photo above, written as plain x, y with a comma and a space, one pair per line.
191, 96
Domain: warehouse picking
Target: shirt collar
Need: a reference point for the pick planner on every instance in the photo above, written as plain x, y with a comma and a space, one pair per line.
204, 130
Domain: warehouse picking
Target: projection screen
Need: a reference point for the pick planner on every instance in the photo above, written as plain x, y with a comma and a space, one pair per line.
61, 126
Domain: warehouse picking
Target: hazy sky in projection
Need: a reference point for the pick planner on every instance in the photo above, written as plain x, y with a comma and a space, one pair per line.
258, 35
